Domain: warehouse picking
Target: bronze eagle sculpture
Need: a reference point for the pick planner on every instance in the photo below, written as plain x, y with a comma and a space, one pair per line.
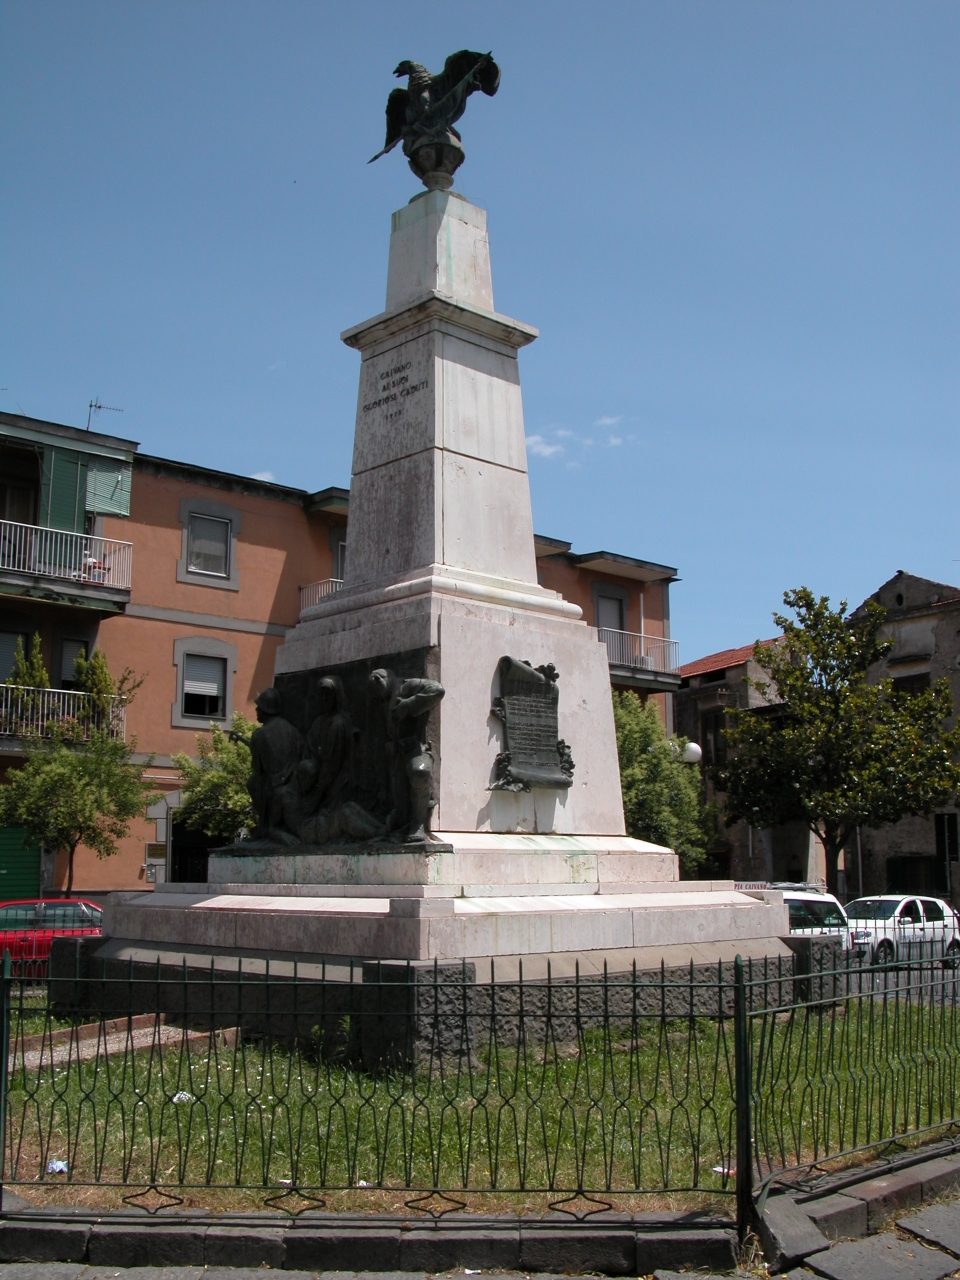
422, 116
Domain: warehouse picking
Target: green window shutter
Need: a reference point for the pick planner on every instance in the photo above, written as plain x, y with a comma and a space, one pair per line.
63, 489
108, 486
19, 865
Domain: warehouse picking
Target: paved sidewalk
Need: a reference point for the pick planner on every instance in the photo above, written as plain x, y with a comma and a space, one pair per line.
926, 1246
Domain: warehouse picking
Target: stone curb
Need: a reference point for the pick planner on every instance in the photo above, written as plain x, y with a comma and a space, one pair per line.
795, 1226
611, 1243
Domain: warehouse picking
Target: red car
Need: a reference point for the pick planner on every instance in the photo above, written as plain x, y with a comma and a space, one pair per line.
27, 928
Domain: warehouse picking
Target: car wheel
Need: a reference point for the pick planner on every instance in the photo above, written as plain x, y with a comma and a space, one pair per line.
951, 957
884, 953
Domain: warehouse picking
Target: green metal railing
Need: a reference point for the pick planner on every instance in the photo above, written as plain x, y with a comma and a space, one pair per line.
713, 1083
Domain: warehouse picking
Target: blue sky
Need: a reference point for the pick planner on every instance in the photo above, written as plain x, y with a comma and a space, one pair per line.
735, 226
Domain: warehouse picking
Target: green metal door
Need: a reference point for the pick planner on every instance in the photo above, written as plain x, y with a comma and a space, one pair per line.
19, 865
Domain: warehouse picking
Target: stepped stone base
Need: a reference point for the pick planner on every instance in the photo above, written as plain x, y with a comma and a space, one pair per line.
472, 897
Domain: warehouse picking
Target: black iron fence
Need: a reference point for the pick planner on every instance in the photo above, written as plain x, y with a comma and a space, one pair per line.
710, 1082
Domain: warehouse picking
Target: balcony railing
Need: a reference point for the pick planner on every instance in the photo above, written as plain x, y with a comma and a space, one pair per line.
38, 713
71, 557
639, 652
316, 591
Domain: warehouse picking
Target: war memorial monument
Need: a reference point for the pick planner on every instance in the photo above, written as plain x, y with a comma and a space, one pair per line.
435, 773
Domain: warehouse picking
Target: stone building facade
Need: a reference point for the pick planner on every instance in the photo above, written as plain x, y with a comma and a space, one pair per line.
709, 688
917, 855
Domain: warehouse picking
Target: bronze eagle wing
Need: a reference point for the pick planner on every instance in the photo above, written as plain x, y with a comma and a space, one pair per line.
448, 93
397, 104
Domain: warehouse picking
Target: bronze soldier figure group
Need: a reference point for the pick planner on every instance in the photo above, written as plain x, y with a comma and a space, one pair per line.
301, 786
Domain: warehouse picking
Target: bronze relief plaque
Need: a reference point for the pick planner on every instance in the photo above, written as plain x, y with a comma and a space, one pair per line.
534, 754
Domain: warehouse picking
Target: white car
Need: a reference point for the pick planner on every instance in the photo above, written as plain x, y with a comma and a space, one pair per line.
814, 912
896, 927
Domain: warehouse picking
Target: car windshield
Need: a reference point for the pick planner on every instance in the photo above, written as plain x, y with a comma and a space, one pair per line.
872, 908
805, 914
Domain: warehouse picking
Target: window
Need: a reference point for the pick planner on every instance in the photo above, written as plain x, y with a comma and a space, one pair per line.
8, 647
204, 686
23, 916
932, 912
208, 546
70, 651
66, 915
945, 825
609, 613
204, 689
711, 737
912, 684
910, 911
871, 909
208, 552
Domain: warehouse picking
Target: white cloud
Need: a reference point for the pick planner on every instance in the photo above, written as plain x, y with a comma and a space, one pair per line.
542, 448
277, 364
564, 434
614, 440
263, 475
608, 422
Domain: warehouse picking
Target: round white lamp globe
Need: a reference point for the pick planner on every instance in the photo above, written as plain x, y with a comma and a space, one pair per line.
692, 753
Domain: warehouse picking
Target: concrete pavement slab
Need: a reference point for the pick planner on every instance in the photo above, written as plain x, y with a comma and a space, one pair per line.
244, 1246
787, 1233
884, 1257
839, 1217
252, 1273
939, 1225
153, 1246
939, 1176
883, 1196
693, 1250
308, 1249
142, 1273
41, 1270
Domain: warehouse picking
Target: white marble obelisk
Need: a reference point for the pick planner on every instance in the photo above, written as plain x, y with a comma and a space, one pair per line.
441, 580
440, 552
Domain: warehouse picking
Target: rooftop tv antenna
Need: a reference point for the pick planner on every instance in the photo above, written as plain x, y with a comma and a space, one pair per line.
96, 406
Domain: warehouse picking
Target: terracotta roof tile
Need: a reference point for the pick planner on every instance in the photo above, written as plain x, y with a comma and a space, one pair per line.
717, 661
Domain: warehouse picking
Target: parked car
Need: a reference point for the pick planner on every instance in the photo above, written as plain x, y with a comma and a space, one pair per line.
896, 927
27, 928
814, 912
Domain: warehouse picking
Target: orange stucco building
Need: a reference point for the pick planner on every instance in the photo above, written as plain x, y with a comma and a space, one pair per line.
192, 577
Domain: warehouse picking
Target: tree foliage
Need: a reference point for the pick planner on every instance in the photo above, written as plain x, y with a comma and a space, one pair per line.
661, 794
67, 795
215, 799
836, 750
29, 672
93, 677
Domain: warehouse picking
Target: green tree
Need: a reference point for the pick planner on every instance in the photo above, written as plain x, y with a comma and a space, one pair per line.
661, 795
93, 677
29, 673
215, 799
835, 750
68, 795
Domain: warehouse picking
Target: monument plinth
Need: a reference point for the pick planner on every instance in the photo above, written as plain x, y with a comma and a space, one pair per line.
436, 772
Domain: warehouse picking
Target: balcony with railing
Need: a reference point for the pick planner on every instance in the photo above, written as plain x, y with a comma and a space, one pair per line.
90, 565
641, 655
317, 591
40, 713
